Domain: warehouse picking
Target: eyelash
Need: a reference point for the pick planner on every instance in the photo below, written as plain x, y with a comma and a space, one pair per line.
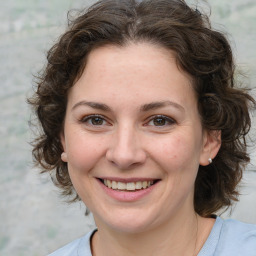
89, 118
167, 120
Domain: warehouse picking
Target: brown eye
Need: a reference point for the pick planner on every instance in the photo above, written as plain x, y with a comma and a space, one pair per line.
97, 121
94, 120
159, 121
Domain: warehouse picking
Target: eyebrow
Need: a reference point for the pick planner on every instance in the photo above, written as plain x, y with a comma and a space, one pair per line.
160, 104
95, 105
143, 108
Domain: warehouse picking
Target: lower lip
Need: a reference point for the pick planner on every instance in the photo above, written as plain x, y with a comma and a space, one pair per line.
128, 196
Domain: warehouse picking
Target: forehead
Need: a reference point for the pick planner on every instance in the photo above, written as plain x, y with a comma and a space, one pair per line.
138, 54
136, 70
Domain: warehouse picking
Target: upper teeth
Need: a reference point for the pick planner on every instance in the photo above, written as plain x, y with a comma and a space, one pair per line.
127, 186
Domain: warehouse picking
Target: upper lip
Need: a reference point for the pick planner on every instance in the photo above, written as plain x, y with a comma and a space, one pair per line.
127, 180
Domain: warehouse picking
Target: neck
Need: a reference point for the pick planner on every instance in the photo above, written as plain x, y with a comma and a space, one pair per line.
181, 236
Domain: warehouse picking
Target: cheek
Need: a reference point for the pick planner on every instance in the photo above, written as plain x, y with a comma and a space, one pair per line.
178, 152
84, 152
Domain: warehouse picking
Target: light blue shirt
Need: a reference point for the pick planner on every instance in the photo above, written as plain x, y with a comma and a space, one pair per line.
227, 238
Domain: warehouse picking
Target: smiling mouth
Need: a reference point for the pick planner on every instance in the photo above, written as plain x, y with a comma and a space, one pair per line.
127, 186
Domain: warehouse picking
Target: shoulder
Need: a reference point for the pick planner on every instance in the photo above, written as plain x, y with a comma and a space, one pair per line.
78, 247
235, 225
237, 238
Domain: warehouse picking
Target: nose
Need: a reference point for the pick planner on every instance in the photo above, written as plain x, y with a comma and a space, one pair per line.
125, 150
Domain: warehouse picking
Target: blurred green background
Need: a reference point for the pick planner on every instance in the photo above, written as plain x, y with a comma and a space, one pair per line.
34, 220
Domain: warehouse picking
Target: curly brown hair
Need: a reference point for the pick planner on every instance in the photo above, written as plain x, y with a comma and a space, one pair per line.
200, 51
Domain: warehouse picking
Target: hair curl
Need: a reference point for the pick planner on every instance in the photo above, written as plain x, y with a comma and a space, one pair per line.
200, 51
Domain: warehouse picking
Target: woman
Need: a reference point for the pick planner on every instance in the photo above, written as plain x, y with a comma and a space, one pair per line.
142, 122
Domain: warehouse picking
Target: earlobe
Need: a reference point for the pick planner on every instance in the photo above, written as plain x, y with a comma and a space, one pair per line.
64, 157
212, 144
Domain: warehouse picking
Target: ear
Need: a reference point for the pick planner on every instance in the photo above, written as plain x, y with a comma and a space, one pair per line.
211, 146
64, 156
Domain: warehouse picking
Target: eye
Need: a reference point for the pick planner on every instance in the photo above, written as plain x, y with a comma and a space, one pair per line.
160, 121
94, 120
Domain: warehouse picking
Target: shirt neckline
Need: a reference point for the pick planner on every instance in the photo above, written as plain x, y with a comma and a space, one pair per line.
84, 247
210, 245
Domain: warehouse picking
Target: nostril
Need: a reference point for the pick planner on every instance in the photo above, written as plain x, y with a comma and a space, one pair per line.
124, 159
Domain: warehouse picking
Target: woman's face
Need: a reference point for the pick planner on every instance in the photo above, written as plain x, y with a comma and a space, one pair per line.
132, 123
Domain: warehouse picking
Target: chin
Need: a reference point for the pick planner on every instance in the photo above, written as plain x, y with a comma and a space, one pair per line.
128, 222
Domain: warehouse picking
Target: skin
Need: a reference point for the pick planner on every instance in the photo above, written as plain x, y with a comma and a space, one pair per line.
128, 139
